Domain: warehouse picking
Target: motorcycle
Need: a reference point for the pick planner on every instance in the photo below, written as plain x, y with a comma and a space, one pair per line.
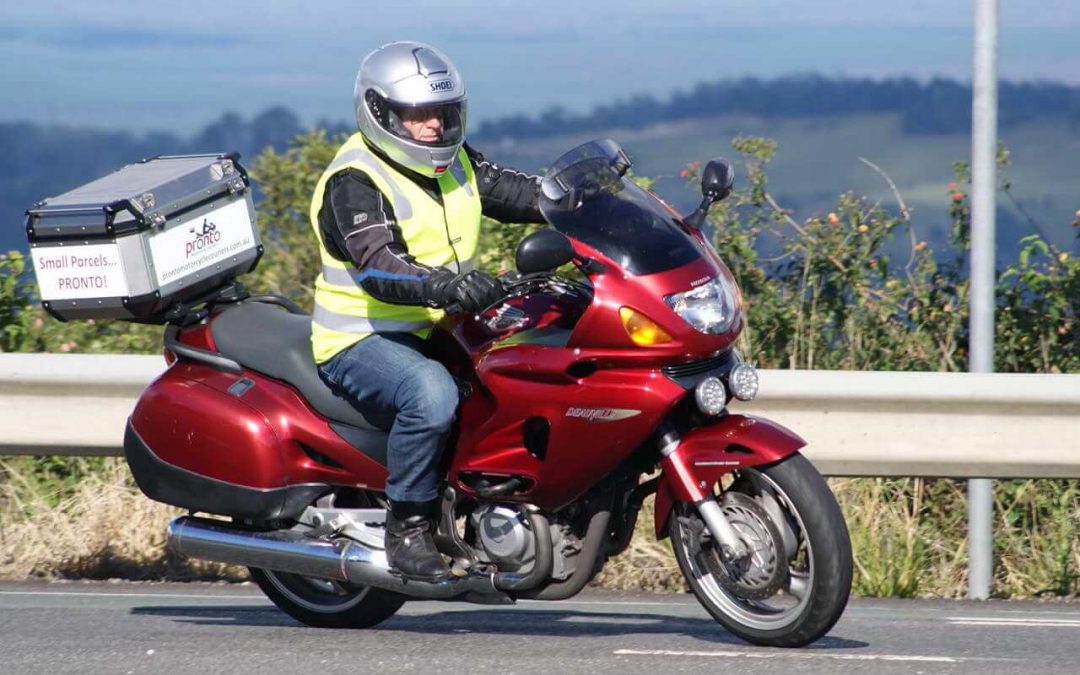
603, 377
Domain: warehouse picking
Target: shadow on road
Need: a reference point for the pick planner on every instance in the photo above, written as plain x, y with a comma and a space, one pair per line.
536, 623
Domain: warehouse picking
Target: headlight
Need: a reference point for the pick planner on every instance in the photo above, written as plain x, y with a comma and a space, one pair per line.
711, 308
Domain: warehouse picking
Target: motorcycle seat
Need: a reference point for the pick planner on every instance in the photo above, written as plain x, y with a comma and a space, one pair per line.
269, 340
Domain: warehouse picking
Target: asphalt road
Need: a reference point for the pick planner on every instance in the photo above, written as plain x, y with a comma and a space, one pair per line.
208, 629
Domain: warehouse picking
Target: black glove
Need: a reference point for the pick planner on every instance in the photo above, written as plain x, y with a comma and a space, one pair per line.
473, 291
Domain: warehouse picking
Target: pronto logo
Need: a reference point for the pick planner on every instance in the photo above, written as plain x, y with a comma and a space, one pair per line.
602, 414
205, 237
441, 85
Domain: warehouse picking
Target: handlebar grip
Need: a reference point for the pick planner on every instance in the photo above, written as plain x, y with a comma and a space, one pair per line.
507, 278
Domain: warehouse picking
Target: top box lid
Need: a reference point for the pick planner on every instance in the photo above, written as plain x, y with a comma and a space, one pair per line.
136, 196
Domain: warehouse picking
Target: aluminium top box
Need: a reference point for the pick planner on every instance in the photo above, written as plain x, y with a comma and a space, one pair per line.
144, 239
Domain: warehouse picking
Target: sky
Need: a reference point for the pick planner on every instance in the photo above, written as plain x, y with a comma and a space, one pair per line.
142, 64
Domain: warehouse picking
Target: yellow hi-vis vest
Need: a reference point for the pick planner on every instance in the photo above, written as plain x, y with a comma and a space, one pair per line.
436, 235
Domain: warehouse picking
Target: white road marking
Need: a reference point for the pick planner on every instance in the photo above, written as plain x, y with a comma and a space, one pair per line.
137, 595
1059, 618
1021, 623
1026, 612
792, 655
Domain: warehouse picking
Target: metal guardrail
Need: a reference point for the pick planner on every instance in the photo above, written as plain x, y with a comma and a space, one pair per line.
70, 404
958, 425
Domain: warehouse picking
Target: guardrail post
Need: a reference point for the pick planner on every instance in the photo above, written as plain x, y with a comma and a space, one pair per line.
980, 537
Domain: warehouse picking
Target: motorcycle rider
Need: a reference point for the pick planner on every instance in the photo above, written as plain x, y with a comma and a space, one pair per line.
397, 217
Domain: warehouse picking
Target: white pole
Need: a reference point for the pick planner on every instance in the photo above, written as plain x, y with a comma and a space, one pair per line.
983, 186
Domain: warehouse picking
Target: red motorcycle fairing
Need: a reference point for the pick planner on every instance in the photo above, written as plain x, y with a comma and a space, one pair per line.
534, 419
602, 326
563, 398
596, 332
705, 454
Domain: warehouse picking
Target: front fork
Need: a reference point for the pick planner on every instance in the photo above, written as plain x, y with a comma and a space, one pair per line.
686, 486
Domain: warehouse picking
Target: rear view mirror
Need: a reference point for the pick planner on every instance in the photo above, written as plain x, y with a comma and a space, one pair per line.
717, 180
543, 251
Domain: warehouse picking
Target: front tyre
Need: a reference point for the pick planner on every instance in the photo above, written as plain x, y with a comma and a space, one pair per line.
796, 582
327, 604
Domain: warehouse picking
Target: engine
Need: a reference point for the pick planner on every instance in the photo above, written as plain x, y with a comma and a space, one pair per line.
504, 537
503, 533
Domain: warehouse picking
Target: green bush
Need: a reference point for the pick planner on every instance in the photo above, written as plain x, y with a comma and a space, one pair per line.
833, 298
16, 303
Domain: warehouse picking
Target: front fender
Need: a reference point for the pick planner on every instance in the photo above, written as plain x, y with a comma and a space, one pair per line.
705, 454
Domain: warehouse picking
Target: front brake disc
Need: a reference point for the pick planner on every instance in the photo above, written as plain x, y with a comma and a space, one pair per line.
762, 572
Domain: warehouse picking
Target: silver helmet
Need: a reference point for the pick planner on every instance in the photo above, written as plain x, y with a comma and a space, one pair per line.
410, 104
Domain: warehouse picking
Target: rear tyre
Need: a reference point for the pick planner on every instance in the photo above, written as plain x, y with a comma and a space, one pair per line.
796, 584
323, 603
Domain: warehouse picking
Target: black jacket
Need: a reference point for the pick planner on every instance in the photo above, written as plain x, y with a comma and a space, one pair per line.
358, 225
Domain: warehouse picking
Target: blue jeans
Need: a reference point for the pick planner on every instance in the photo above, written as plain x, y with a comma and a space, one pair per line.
393, 383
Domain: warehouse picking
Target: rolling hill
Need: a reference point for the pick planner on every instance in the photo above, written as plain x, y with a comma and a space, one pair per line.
913, 131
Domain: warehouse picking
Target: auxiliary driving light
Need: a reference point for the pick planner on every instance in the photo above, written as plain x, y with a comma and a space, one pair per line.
743, 381
710, 396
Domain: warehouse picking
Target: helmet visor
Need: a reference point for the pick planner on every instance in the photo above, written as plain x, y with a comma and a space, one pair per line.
439, 125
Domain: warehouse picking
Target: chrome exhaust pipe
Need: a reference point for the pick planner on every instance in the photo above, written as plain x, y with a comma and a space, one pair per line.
295, 553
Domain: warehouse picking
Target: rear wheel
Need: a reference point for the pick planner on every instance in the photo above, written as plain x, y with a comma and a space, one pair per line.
327, 603
324, 603
795, 584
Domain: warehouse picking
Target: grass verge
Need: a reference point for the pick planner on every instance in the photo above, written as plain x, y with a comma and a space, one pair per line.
908, 535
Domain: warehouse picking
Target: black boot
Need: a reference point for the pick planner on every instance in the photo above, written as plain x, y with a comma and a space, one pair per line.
410, 548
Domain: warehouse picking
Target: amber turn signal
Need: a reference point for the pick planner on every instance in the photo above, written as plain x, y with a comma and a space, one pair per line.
641, 329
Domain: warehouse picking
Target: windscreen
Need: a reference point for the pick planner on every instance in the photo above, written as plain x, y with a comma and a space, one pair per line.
587, 196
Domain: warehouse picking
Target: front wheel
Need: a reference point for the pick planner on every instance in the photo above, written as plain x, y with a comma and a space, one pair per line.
794, 585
